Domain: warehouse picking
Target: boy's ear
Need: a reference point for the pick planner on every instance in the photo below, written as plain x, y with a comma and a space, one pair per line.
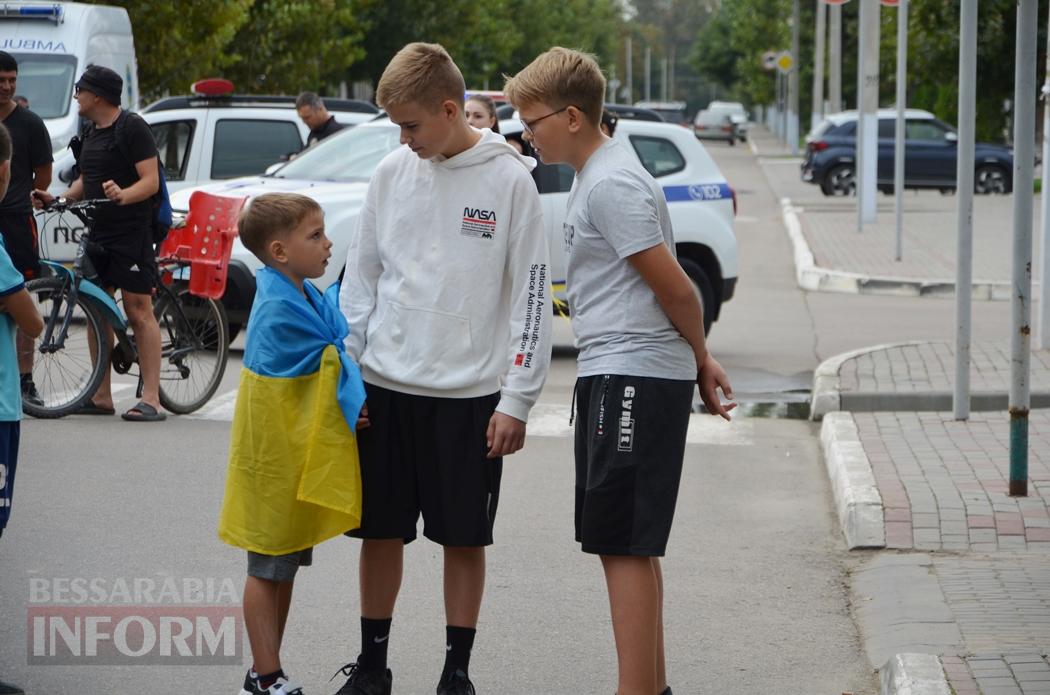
451, 109
577, 119
276, 251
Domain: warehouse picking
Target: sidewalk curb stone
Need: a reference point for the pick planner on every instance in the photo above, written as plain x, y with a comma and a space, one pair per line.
814, 278
857, 498
914, 674
827, 398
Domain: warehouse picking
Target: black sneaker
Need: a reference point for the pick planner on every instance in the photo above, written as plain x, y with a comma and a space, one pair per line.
455, 683
29, 392
10, 689
365, 682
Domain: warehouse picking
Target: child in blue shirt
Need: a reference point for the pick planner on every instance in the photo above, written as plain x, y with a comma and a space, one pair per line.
16, 311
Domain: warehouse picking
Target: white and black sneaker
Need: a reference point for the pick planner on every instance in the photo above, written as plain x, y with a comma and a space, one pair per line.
282, 686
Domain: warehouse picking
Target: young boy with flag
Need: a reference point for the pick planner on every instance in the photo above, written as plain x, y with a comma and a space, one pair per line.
294, 479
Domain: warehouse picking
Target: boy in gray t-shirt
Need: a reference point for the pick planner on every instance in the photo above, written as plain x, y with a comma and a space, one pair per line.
639, 327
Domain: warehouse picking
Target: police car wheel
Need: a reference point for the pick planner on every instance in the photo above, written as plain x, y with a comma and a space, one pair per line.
708, 301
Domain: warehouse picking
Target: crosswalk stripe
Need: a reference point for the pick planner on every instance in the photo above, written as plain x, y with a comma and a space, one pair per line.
548, 420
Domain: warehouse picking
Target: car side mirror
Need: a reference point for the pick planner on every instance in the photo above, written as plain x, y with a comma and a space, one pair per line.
951, 137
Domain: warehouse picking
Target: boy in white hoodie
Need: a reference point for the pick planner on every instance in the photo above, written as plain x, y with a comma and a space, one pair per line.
446, 293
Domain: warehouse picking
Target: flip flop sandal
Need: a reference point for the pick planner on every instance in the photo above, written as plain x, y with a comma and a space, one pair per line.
90, 408
143, 412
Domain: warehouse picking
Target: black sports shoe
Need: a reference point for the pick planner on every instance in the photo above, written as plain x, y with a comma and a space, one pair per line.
29, 392
10, 689
455, 683
365, 682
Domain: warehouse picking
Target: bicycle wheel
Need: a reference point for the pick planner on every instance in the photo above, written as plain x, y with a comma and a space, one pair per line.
65, 378
195, 343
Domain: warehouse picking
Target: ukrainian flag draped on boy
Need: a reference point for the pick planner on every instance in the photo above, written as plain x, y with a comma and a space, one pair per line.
294, 478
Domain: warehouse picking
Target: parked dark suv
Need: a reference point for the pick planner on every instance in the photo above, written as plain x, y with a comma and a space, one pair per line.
929, 155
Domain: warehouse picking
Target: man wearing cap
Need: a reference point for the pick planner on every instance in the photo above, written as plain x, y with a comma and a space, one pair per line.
30, 168
118, 161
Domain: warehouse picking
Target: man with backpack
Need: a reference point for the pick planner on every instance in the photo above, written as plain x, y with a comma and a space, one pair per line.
118, 160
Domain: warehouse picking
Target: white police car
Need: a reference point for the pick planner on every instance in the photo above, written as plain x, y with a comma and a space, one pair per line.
208, 137
336, 174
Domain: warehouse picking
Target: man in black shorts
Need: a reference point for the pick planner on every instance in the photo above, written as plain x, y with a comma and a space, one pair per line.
30, 168
119, 161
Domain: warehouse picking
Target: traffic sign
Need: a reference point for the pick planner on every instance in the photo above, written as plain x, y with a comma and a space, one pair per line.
769, 60
785, 62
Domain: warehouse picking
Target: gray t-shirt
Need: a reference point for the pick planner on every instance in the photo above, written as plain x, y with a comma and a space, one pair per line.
617, 209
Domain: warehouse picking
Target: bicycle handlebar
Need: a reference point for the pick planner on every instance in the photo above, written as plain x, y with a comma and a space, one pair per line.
69, 206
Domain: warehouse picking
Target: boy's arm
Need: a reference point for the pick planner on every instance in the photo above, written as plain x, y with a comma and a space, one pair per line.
357, 293
19, 305
677, 297
529, 352
627, 215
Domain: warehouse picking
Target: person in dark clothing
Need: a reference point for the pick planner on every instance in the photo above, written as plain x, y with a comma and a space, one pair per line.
30, 168
312, 111
119, 161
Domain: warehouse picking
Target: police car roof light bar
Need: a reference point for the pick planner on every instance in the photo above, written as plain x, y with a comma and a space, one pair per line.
49, 12
212, 87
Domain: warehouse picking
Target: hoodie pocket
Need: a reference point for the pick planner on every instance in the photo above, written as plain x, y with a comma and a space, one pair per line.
423, 347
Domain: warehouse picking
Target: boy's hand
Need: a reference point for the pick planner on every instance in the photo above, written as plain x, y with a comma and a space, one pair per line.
506, 435
711, 378
362, 419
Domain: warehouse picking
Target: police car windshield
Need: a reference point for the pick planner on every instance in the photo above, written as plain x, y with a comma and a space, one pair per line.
47, 82
347, 156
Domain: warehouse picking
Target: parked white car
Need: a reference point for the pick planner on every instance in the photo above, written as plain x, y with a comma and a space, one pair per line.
337, 171
201, 141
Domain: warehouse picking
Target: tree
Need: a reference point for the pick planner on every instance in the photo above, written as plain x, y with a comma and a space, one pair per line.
287, 46
177, 43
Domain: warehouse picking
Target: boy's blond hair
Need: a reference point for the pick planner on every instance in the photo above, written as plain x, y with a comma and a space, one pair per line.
272, 216
559, 78
423, 73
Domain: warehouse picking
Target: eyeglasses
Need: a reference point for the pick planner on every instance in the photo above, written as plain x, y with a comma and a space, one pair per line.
529, 125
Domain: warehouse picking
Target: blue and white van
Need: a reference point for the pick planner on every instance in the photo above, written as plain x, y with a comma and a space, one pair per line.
53, 43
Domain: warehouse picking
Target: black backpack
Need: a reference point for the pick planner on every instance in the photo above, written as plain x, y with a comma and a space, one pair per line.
160, 221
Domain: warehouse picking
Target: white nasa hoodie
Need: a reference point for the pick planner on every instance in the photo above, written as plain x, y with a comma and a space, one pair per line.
447, 277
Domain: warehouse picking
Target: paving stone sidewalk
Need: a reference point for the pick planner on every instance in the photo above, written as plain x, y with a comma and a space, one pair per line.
829, 225
925, 367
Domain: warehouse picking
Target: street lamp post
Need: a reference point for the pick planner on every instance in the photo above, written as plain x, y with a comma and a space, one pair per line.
899, 135
817, 114
835, 58
793, 82
866, 166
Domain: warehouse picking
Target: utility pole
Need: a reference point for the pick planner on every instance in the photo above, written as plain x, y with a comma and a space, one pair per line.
899, 135
630, 72
792, 124
964, 205
866, 167
1043, 329
648, 73
1021, 300
835, 58
817, 112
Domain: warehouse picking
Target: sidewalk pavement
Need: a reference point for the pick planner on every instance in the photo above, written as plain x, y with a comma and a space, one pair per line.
956, 596
831, 255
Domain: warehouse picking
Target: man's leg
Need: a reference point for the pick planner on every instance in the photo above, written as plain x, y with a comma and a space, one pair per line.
147, 339
634, 596
380, 569
284, 604
464, 585
103, 396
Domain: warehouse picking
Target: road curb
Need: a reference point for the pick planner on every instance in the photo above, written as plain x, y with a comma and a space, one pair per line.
857, 498
914, 674
827, 396
814, 278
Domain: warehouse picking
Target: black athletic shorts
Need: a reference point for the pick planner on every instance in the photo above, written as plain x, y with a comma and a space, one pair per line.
128, 263
427, 455
20, 240
630, 442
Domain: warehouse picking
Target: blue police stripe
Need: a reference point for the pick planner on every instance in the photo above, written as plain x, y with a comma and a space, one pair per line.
698, 191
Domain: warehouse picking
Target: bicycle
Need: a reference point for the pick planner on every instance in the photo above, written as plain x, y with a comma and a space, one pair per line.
71, 356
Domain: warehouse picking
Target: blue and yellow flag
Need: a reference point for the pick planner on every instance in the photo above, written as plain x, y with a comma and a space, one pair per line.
294, 477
